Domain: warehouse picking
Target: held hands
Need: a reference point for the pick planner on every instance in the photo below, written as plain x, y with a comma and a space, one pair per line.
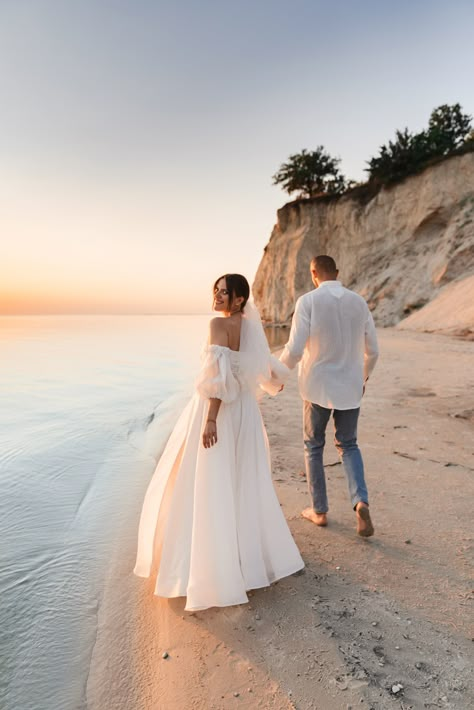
209, 436
276, 380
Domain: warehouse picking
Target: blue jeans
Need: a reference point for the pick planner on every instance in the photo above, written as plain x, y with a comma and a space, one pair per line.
315, 419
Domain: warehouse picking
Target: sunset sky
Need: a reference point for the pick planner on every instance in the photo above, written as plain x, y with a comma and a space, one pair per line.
138, 139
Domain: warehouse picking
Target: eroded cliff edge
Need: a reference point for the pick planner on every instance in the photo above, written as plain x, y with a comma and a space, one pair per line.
398, 250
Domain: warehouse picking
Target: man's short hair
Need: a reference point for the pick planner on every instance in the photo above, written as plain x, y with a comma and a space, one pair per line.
324, 264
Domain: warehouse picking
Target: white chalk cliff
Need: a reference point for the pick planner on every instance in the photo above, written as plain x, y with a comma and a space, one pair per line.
399, 250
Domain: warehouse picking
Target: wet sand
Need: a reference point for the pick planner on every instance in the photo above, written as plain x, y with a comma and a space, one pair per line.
378, 623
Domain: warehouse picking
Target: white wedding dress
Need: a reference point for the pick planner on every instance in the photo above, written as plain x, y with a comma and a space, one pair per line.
211, 521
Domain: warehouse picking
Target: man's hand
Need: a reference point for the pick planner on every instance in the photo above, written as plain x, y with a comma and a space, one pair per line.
209, 436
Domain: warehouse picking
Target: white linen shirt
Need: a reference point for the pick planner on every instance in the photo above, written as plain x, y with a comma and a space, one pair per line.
333, 338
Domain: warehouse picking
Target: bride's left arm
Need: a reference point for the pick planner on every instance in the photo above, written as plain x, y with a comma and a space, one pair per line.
279, 375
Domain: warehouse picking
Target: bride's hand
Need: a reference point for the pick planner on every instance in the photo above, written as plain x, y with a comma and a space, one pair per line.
209, 437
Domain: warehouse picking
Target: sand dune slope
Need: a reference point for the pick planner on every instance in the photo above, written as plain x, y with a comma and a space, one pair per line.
450, 313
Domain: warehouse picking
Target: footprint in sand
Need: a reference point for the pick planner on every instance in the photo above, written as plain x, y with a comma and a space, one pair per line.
421, 392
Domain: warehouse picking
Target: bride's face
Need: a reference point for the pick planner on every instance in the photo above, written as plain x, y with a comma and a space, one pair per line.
221, 297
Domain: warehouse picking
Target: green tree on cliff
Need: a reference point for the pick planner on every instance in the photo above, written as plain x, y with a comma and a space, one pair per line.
400, 157
448, 128
448, 131
311, 173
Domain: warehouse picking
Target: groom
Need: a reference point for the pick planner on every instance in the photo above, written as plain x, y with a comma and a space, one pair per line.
333, 334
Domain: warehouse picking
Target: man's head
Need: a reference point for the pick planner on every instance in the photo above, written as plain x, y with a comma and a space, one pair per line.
323, 268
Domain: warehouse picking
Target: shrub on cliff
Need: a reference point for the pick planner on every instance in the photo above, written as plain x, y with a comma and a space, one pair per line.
448, 132
448, 129
311, 173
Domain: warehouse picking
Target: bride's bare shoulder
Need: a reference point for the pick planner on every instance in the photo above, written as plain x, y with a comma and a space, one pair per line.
218, 332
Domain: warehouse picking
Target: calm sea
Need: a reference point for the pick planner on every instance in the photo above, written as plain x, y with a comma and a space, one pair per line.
86, 405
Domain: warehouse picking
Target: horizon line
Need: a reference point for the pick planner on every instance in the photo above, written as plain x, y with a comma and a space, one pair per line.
18, 315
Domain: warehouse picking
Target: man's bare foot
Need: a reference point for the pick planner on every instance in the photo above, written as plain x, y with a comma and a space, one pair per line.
320, 519
364, 523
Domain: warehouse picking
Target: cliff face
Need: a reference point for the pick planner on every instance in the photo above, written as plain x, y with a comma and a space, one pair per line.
397, 251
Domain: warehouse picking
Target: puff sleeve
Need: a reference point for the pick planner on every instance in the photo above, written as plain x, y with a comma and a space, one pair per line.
215, 379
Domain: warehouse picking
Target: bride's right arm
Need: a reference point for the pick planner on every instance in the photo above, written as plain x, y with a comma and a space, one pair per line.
217, 336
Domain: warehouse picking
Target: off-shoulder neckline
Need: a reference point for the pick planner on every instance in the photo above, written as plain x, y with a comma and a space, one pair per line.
224, 347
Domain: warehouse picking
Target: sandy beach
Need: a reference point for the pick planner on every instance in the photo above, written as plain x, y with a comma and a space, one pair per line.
378, 623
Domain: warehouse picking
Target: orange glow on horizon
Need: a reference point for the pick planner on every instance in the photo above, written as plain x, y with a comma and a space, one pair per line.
46, 286
53, 300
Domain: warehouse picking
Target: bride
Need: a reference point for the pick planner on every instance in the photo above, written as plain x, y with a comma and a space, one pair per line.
211, 523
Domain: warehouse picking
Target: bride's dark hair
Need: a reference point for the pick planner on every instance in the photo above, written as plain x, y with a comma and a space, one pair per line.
237, 286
